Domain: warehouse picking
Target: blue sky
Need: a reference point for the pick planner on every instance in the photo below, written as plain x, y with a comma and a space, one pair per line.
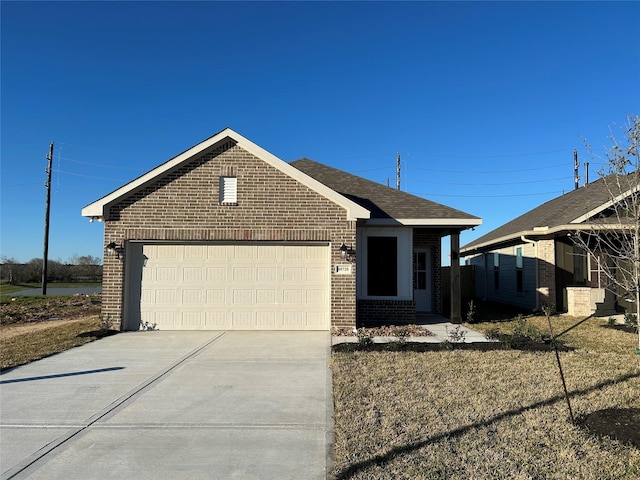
484, 101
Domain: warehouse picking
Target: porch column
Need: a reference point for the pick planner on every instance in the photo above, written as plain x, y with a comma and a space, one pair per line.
456, 316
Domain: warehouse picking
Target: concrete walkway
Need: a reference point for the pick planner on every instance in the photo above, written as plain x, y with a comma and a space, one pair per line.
172, 405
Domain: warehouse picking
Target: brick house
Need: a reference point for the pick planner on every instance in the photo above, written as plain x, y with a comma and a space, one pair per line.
533, 260
228, 236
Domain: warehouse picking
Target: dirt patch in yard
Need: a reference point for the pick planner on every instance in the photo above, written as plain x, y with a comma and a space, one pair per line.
31, 310
13, 330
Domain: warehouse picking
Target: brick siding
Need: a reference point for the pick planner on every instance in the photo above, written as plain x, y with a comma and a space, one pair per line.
387, 311
183, 205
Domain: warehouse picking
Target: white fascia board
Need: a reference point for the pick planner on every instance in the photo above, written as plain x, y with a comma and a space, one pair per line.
97, 209
604, 206
354, 211
427, 222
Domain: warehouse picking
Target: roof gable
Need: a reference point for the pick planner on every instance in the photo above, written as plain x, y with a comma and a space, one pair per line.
387, 205
570, 211
99, 208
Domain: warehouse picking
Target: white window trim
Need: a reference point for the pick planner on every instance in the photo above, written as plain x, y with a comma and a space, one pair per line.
405, 261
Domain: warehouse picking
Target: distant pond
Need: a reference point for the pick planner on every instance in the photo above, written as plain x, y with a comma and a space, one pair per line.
59, 291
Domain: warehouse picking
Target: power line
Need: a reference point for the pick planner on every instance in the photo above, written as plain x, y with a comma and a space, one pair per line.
490, 184
87, 176
426, 195
492, 172
97, 164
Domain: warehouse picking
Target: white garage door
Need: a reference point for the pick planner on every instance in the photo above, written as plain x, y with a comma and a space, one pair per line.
235, 287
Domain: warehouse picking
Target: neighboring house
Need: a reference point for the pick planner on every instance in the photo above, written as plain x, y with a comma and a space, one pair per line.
532, 260
227, 236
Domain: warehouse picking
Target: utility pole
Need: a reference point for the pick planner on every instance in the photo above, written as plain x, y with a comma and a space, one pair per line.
576, 165
398, 171
45, 255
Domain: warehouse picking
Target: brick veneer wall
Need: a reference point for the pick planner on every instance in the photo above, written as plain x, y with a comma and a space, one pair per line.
388, 311
579, 301
183, 205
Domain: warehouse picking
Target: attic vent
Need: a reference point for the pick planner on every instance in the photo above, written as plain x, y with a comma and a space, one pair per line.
229, 190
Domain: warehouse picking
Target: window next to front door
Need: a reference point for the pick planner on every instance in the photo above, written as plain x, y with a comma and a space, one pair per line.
382, 266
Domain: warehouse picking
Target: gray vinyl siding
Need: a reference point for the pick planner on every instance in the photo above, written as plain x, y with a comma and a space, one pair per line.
507, 289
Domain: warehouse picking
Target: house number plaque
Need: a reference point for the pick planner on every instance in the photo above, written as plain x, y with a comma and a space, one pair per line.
343, 269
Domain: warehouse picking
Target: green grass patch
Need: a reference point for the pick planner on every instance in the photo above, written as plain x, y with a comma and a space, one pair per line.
497, 414
34, 345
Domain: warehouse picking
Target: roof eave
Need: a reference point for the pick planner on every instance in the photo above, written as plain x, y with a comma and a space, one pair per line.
605, 205
537, 232
463, 223
98, 209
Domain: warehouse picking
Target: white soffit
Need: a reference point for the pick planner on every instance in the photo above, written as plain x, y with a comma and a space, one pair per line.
97, 209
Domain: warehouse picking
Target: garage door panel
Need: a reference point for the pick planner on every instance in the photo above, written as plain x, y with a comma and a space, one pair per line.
293, 319
192, 320
216, 274
216, 297
193, 297
293, 297
216, 319
292, 274
243, 274
242, 297
166, 296
165, 251
242, 319
193, 274
221, 287
266, 297
194, 252
316, 297
317, 319
266, 320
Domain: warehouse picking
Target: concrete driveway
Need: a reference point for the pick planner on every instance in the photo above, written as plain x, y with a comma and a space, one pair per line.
172, 405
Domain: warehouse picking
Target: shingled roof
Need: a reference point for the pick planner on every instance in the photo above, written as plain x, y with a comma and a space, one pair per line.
387, 205
571, 211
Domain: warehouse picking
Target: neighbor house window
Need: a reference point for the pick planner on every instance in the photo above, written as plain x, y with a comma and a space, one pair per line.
579, 265
382, 266
519, 270
229, 190
496, 271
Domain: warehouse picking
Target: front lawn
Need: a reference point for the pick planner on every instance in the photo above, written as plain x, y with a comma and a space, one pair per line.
20, 344
497, 414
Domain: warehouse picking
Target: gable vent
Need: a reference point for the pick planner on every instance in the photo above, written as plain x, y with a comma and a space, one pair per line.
229, 190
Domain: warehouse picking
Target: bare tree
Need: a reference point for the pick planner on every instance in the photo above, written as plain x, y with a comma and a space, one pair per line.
613, 237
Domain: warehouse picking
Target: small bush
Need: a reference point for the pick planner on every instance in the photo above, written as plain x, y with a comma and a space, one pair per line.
631, 321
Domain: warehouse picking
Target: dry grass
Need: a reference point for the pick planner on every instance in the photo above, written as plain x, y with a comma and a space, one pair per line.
467, 414
18, 348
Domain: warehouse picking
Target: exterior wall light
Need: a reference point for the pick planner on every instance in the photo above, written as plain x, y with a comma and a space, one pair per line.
113, 247
347, 253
